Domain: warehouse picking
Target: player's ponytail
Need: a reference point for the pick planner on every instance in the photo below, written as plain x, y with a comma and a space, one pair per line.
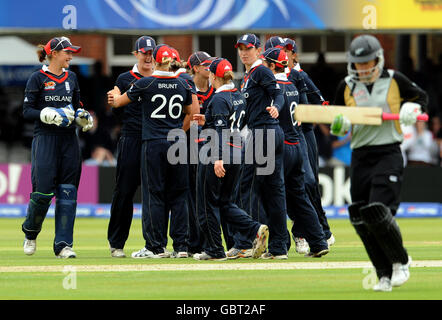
175, 65
41, 53
165, 62
228, 76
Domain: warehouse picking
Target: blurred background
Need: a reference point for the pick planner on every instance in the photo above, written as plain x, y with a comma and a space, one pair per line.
410, 32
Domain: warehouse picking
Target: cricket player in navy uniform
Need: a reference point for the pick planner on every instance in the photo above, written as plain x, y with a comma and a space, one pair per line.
313, 96
299, 207
165, 99
264, 101
225, 114
52, 101
376, 170
128, 173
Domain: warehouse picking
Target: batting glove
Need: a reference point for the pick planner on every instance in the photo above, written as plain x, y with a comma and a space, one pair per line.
409, 112
340, 125
61, 117
84, 119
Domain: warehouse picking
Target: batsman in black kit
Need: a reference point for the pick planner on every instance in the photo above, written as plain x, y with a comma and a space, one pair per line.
376, 169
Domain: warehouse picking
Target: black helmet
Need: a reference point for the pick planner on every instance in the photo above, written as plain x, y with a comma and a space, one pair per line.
362, 49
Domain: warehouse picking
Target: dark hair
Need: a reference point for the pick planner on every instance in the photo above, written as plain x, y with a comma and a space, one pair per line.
41, 53
175, 65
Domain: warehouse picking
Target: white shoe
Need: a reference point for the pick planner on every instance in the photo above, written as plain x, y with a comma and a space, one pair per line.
331, 241
205, 256
268, 256
143, 253
67, 253
180, 254
117, 253
260, 242
384, 285
164, 254
401, 273
29, 246
302, 246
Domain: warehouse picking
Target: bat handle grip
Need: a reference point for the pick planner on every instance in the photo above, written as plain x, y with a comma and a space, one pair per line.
395, 116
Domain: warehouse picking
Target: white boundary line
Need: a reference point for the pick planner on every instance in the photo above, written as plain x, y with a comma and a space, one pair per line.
204, 266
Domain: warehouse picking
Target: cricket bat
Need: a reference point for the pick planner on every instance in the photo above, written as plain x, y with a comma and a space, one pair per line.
374, 116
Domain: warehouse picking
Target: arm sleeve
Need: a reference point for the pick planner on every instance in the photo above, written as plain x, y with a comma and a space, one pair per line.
314, 95
136, 90
120, 83
32, 92
220, 115
339, 97
268, 82
410, 91
76, 94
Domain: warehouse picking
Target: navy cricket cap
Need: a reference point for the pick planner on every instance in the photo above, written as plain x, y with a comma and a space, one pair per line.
220, 66
276, 55
274, 42
290, 44
249, 40
144, 44
199, 58
61, 43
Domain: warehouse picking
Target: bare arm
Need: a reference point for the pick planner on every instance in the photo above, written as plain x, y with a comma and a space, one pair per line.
190, 110
115, 99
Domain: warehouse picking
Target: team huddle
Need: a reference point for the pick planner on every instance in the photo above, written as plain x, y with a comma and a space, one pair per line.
255, 164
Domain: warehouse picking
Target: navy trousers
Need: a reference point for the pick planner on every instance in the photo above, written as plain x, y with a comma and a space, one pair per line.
164, 186
127, 181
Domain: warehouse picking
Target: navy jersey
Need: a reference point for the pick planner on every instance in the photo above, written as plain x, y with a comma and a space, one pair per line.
181, 73
291, 100
297, 79
226, 111
130, 115
45, 89
260, 89
163, 96
204, 98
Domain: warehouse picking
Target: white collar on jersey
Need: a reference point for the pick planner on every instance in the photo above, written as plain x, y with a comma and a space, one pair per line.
297, 67
45, 68
226, 87
135, 68
180, 70
281, 76
256, 63
163, 73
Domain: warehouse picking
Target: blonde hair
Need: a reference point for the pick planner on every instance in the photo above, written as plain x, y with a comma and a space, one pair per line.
165, 62
228, 77
175, 65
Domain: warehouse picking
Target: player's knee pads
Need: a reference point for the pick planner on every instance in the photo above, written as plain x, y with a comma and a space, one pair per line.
37, 210
376, 213
65, 209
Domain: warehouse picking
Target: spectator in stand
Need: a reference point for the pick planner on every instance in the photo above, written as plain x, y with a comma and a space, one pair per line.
341, 151
422, 149
97, 146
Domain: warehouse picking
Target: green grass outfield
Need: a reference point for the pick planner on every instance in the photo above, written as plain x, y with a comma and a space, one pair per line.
342, 274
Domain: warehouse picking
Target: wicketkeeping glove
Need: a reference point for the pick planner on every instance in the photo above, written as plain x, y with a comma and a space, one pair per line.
340, 125
409, 112
84, 119
61, 117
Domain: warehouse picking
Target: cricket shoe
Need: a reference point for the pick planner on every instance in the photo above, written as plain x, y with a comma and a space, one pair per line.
268, 256
239, 253
143, 253
66, 253
302, 246
117, 253
164, 254
260, 242
29, 246
384, 285
179, 254
205, 256
318, 254
331, 241
401, 273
